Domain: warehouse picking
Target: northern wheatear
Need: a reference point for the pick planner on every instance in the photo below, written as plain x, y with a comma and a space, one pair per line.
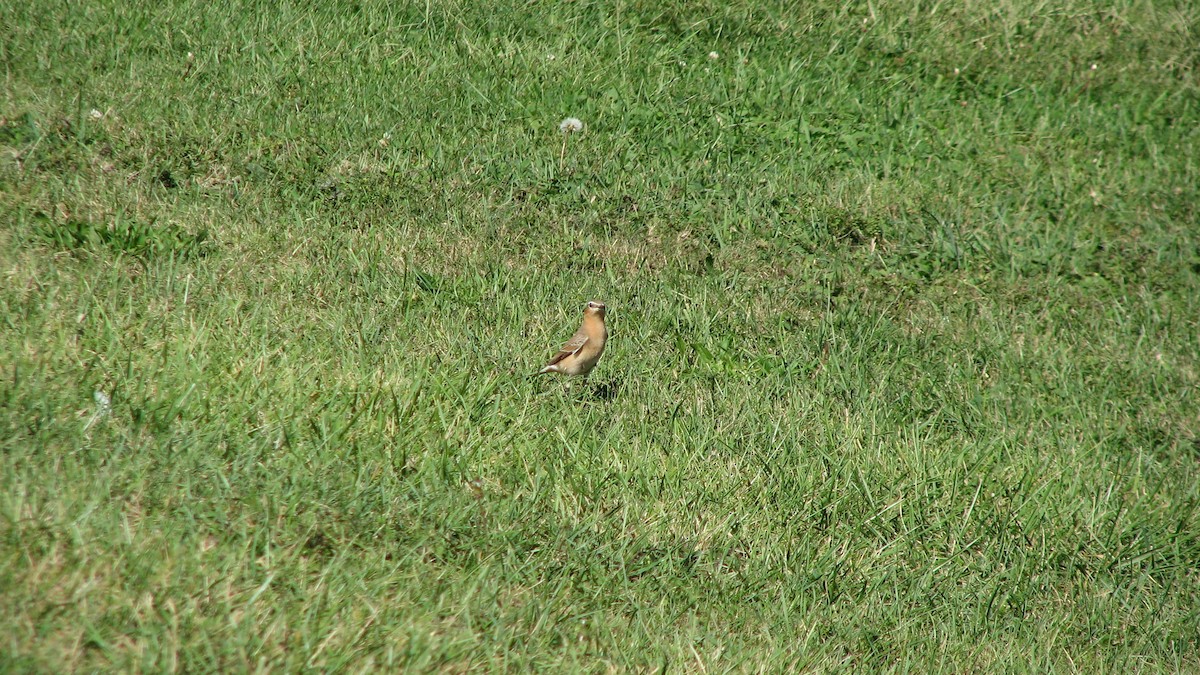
579, 354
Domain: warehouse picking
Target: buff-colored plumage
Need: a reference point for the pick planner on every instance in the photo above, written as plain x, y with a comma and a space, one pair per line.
579, 354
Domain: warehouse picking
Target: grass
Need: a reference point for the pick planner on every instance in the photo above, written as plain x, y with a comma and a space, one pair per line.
904, 306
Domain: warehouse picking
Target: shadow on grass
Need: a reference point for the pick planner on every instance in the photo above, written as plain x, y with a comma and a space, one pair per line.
606, 391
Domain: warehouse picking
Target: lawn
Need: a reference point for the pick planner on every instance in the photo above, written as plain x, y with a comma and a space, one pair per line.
904, 359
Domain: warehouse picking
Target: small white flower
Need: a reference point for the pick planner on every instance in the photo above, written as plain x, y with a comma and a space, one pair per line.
713, 56
549, 57
683, 64
1093, 66
96, 114
570, 125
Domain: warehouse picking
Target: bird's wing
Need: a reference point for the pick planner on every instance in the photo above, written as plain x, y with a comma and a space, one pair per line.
570, 347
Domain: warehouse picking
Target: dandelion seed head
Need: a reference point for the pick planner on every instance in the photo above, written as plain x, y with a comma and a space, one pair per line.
103, 408
570, 125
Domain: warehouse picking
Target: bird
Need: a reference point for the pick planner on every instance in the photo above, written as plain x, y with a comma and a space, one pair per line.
579, 355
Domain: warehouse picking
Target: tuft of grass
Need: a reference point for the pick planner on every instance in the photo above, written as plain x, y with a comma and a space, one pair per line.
121, 236
903, 360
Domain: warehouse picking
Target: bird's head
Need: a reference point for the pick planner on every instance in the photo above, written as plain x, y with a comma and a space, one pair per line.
594, 308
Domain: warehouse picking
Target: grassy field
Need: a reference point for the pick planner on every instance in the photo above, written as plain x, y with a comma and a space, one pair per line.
904, 303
